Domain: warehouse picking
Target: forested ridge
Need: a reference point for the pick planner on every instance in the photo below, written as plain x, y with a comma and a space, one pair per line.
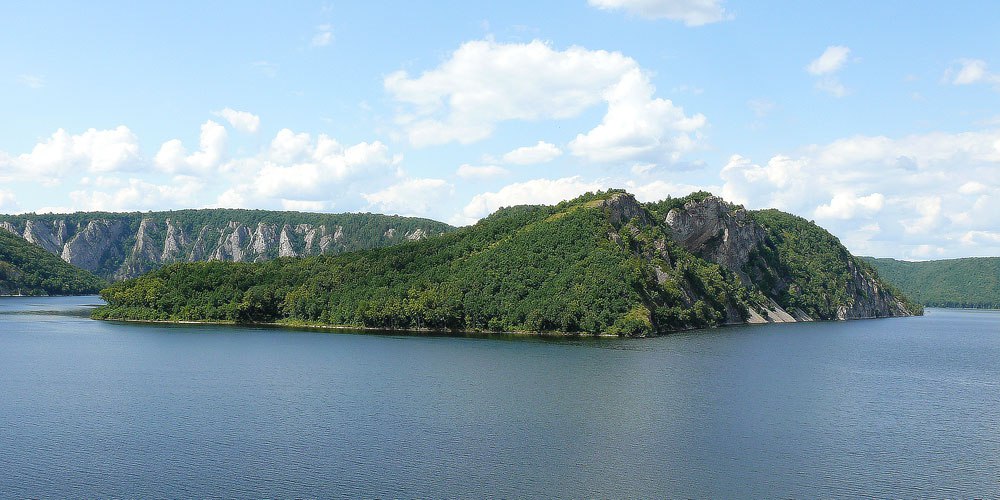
27, 269
969, 282
601, 263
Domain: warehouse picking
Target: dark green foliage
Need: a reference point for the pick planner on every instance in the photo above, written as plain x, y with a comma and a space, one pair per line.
971, 282
661, 208
30, 270
526, 268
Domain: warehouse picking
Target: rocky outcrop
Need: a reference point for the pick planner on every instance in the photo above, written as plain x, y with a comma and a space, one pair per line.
119, 246
717, 231
93, 248
728, 235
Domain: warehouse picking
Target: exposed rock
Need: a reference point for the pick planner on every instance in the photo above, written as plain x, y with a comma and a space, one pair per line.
623, 207
390, 233
232, 243
173, 243
264, 238
144, 255
417, 234
10, 228
717, 231
285, 248
199, 251
41, 235
95, 245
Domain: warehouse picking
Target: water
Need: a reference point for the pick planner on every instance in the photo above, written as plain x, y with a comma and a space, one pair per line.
887, 408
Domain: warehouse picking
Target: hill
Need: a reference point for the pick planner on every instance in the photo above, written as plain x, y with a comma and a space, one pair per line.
26, 269
124, 245
602, 263
970, 282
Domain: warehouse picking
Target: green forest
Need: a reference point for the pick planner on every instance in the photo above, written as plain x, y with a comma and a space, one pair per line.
971, 282
28, 269
595, 264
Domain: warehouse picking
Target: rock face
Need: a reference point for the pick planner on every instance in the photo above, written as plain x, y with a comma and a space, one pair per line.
729, 236
121, 246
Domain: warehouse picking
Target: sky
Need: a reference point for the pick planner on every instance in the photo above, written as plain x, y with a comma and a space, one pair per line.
877, 120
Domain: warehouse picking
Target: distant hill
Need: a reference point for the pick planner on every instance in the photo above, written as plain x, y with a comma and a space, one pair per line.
27, 269
124, 245
602, 263
970, 282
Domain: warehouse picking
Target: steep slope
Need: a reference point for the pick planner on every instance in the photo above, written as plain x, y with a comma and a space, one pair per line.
970, 282
125, 245
800, 267
602, 263
27, 269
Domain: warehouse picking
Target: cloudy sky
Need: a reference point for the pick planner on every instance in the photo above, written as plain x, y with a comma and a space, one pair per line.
878, 120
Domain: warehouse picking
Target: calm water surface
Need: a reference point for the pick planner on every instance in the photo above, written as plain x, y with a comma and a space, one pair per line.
888, 408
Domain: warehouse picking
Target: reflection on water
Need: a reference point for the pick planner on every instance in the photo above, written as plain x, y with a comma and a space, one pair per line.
887, 408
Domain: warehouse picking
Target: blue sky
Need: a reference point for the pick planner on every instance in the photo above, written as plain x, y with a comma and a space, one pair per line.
878, 120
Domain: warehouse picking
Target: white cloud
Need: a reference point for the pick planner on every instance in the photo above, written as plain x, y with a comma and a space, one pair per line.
137, 194
8, 202
31, 81
480, 172
639, 127
921, 191
298, 170
830, 61
542, 152
174, 158
544, 191
410, 197
971, 71
323, 36
485, 83
92, 151
240, 120
691, 12
826, 65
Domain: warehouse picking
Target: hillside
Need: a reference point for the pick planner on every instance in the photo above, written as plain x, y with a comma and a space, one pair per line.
602, 263
124, 245
971, 282
26, 269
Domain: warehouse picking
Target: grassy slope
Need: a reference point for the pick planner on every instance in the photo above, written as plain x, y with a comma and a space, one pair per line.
30, 270
971, 282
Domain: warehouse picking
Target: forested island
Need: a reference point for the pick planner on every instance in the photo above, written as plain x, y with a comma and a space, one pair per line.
971, 282
27, 269
602, 263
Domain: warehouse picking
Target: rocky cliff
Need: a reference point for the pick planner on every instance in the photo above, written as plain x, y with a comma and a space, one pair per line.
802, 272
125, 245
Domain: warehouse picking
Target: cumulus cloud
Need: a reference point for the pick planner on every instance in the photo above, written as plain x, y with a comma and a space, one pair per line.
300, 170
480, 172
889, 196
485, 83
323, 36
240, 120
92, 151
542, 152
544, 191
690, 12
831, 61
174, 158
137, 194
971, 71
638, 127
410, 196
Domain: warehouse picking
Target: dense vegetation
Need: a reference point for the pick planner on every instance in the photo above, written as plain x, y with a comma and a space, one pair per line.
563, 268
27, 269
354, 232
972, 282
814, 261
601, 263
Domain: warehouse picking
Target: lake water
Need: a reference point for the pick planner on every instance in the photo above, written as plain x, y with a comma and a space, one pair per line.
888, 408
